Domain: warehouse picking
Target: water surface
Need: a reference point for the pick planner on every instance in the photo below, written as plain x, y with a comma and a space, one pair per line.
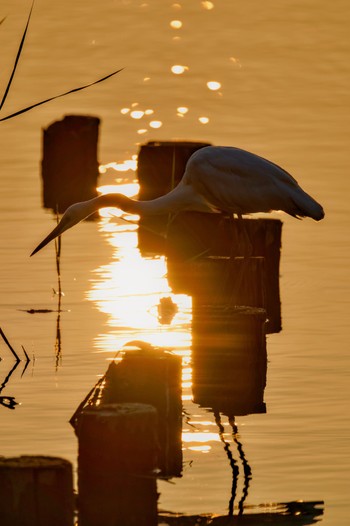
284, 73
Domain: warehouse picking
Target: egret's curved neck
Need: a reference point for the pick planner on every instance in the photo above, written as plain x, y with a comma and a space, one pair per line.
181, 197
116, 201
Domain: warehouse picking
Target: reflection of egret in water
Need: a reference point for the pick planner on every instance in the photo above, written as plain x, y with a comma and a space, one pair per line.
246, 467
233, 463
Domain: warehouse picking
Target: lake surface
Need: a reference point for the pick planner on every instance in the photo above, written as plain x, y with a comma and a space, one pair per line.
283, 70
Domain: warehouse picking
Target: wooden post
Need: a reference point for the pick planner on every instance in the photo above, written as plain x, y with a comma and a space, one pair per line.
194, 236
161, 166
117, 457
36, 491
152, 377
69, 164
229, 359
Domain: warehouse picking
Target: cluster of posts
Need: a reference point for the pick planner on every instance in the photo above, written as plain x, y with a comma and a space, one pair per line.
129, 428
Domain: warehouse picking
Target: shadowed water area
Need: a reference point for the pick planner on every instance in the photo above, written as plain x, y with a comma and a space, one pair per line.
263, 421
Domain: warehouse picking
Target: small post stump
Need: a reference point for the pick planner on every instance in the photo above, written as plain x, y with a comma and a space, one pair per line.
161, 166
36, 491
152, 376
69, 164
117, 457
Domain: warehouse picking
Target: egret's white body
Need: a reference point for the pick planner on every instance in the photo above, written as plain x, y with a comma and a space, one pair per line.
216, 179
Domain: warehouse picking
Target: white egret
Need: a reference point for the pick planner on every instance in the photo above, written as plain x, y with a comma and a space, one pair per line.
216, 179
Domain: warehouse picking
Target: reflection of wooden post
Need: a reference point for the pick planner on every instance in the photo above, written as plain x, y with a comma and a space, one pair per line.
36, 491
229, 358
224, 280
161, 166
69, 165
117, 456
152, 377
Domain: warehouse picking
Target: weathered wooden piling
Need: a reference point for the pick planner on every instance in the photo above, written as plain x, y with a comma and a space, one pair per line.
161, 166
192, 233
194, 241
152, 377
229, 359
69, 164
116, 463
36, 491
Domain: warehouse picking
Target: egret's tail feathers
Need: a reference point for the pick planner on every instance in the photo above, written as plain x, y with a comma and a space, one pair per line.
306, 206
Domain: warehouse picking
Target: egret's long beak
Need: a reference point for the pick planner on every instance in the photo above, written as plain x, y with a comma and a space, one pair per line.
59, 229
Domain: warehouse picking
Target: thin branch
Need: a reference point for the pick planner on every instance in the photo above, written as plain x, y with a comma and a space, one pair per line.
9, 345
58, 96
27, 361
25, 354
24, 110
17, 58
2, 386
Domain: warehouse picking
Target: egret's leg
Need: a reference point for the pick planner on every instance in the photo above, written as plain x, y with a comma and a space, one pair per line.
247, 245
241, 245
241, 248
233, 281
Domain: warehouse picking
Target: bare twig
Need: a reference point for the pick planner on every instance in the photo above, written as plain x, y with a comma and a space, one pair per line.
17, 58
9, 345
25, 354
2, 386
27, 361
61, 95
19, 112
58, 343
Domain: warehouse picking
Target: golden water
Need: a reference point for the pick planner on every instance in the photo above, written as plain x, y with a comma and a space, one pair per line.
283, 70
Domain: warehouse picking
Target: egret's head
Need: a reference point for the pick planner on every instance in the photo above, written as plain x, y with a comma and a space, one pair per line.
73, 215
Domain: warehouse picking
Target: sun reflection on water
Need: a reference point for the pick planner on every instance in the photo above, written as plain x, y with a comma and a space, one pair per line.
128, 289
204, 436
178, 69
176, 24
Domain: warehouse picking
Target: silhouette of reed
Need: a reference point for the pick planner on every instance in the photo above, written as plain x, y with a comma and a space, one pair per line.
19, 52
9, 401
58, 340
